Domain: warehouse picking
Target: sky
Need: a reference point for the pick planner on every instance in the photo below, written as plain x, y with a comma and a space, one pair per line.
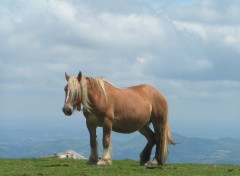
187, 49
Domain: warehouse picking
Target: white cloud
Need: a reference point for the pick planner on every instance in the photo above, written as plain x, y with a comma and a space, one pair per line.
191, 27
205, 90
62, 10
176, 44
139, 65
228, 36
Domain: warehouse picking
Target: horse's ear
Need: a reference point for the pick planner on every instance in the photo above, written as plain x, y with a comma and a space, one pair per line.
67, 76
79, 77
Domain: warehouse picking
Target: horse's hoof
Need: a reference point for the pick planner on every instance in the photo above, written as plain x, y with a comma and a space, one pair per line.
143, 163
154, 162
104, 162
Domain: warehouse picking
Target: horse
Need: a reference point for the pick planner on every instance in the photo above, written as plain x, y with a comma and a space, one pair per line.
123, 110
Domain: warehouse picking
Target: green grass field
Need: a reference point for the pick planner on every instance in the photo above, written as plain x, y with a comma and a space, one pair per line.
54, 166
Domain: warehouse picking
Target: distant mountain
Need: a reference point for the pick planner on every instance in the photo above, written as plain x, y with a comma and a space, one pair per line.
199, 150
187, 149
23, 143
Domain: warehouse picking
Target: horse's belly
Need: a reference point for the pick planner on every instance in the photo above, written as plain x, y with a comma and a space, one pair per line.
128, 125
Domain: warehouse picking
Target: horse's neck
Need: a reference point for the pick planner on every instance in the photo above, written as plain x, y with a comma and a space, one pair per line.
96, 97
92, 93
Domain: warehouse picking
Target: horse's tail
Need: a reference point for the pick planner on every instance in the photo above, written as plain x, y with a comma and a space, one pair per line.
166, 138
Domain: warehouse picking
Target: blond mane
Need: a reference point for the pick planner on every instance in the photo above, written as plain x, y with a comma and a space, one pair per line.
80, 90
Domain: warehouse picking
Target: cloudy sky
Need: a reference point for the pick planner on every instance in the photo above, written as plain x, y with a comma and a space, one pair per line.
187, 49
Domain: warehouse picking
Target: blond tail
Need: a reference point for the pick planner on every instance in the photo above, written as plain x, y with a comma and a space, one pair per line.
166, 139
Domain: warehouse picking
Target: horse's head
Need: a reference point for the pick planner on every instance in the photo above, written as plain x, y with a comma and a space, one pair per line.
72, 94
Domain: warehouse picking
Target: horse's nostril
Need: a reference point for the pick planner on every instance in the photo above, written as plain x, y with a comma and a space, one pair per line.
67, 111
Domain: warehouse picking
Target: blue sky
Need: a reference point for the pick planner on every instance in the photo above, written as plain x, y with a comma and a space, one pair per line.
189, 50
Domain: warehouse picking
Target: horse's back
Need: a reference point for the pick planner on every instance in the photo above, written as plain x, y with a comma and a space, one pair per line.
151, 93
155, 98
133, 106
143, 93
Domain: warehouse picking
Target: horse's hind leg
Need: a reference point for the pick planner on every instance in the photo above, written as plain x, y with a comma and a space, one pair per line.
146, 153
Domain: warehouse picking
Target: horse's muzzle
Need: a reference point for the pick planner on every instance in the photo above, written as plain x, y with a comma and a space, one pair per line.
67, 111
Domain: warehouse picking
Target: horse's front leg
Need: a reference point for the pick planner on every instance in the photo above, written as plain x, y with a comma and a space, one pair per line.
106, 157
93, 158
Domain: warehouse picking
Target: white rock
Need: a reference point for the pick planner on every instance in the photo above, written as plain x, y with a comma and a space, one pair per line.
71, 154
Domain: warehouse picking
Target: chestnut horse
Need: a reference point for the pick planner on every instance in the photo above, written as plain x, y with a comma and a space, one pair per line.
123, 110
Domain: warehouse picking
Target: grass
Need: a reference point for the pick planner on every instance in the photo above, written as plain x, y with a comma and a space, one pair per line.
65, 167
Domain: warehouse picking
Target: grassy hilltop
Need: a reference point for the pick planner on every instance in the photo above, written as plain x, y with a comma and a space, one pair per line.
55, 166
